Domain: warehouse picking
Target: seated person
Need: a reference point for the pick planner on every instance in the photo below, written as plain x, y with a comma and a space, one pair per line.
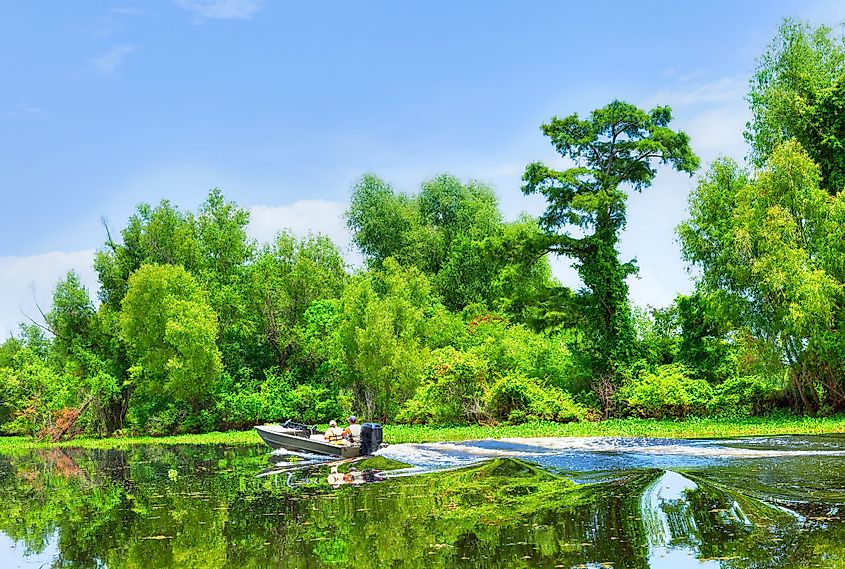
352, 433
334, 434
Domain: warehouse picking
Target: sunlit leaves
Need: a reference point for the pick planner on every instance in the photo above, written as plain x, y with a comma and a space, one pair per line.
764, 240
797, 93
170, 329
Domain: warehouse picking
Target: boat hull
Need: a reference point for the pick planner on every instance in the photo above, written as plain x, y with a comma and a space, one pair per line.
281, 437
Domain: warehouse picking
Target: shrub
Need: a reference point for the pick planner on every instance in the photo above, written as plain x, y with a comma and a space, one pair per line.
518, 398
154, 418
669, 391
251, 402
318, 404
453, 390
748, 395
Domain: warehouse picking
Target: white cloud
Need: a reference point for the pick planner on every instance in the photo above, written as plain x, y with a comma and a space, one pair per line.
686, 94
563, 271
25, 108
222, 9
648, 289
301, 218
718, 131
645, 289
713, 113
110, 61
21, 278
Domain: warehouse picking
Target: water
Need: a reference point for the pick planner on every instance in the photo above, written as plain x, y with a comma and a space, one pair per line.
590, 502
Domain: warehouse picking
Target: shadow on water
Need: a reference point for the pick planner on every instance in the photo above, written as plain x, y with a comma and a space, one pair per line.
529, 503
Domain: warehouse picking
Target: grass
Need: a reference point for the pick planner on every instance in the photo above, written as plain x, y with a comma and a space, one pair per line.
685, 429
227, 438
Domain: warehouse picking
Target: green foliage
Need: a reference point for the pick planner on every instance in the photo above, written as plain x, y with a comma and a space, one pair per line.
455, 316
160, 235
455, 235
170, 330
71, 318
770, 247
285, 279
797, 93
32, 393
704, 347
690, 332
454, 390
246, 403
382, 221
8, 350
380, 339
668, 392
83, 348
747, 395
517, 398
617, 146
503, 372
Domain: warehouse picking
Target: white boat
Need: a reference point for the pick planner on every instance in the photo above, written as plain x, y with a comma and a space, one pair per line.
299, 439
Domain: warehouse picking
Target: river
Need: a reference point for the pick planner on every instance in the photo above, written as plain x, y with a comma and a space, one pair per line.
546, 502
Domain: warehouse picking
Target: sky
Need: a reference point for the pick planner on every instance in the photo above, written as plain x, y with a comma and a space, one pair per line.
108, 103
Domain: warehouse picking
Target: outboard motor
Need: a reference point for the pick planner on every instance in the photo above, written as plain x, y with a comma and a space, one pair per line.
370, 438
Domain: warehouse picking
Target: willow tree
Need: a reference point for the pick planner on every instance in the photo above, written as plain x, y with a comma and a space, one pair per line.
771, 248
617, 148
798, 92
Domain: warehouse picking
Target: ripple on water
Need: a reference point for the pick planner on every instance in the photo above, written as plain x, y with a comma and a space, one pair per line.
587, 454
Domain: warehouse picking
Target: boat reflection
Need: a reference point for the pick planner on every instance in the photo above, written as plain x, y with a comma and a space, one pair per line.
353, 476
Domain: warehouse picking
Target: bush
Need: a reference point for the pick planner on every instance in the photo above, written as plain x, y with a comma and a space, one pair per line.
250, 402
155, 418
318, 404
668, 392
513, 347
747, 395
453, 390
518, 398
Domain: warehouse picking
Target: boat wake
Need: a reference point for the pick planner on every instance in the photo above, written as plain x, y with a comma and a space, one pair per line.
596, 453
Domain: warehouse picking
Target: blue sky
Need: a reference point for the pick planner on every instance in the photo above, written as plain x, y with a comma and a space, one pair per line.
282, 105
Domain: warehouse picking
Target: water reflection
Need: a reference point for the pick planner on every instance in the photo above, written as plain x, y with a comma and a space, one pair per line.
515, 506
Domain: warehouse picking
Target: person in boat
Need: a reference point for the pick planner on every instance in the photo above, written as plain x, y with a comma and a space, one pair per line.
352, 433
333, 434
335, 478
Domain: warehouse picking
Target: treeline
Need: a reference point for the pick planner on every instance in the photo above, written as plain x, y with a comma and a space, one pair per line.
455, 316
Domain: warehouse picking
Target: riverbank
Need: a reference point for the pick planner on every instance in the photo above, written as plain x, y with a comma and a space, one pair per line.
686, 429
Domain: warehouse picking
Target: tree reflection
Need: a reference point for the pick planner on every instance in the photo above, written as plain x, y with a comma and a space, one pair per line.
204, 507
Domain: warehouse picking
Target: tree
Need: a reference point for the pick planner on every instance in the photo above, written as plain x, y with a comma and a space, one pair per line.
221, 235
160, 235
617, 146
381, 337
771, 245
225, 253
72, 315
213, 246
454, 233
798, 92
286, 278
83, 349
170, 330
382, 221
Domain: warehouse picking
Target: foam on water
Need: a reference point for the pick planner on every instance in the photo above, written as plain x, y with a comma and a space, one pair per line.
301, 455
597, 453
